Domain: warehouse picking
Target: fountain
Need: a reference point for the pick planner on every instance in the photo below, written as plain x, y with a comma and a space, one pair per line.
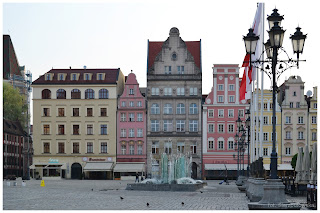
175, 176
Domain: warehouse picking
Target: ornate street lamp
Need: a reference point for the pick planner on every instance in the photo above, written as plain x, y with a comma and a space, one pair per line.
250, 41
276, 35
298, 40
268, 50
274, 17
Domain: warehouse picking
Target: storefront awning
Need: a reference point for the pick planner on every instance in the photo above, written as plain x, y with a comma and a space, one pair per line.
46, 165
129, 167
98, 167
222, 166
281, 167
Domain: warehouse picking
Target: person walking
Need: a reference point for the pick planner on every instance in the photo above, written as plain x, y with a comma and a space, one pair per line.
137, 177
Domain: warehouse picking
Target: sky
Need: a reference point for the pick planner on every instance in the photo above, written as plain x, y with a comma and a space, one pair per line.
114, 34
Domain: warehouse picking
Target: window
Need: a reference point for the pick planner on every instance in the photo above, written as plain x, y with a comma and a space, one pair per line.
220, 87
131, 133
61, 94
221, 113
180, 91
231, 98
155, 109
230, 144
167, 69
240, 112
104, 147
220, 98
46, 147
131, 117
89, 147
272, 136
193, 91
300, 120
288, 119
89, 112
131, 104
139, 149
76, 129
181, 109
75, 94
123, 133
294, 93
230, 113
231, 87
180, 124
155, 147
60, 112
193, 148
300, 135
265, 151
60, 147
75, 112
139, 104
103, 128
315, 105
103, 112
140, 133
46, 112
220, 145
123, 117
220, 128
298, 104
265, 119
46, 129
180, 147
89, 94
265, 106
314, 119
167, 91
265, 136
123, 103
193, 125
168, 147
167, 125
87, 76
314, 136
60, 129
288, 150
211, 128
131, 149
131, 92
288, 135
48, 77
74, 77
89, 129
46, 94
167, 109
193, 109
155, 91
291, 104
103, 94
75, 147
123, 149
155, 126
210, 144
139, 117
100, 76
230, 128
210, 114
180, 69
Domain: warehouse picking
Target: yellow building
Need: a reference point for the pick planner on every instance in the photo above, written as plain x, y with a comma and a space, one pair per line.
313, 118
74, 123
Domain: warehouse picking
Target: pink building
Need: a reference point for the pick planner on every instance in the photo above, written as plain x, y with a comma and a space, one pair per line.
221, 109
131, 131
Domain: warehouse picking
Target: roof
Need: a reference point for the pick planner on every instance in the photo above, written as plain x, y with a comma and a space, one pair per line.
13, 127
193, 47
10, 60
110, 78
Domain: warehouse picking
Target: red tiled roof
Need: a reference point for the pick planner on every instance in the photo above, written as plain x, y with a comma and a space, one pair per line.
111, 76
156, 46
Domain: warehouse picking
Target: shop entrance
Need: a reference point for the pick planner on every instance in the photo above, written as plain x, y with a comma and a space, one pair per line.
194, 171
76, 171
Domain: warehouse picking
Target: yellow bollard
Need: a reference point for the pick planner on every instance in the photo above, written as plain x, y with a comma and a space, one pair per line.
42, 184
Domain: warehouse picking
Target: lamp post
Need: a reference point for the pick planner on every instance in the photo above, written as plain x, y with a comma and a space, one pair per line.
273, 192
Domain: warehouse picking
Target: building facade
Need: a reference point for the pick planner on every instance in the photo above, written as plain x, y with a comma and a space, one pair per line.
174, 87
220, 112
313, 111
74, 121
131, 131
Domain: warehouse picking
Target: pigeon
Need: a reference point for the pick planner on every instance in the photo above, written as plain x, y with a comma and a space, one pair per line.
201, 192
91, 189
121, 198
182, 203
147, 204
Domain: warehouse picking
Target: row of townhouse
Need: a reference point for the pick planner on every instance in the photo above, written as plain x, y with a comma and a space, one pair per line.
99, 124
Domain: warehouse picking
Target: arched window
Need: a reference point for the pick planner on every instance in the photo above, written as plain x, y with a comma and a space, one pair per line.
193, 109
61, 94
167, 109
103, 94
181, 109
46, 94
89, 94
75, 94
155, 109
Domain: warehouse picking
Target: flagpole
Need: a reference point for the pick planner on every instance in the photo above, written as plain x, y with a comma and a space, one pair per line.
262, 107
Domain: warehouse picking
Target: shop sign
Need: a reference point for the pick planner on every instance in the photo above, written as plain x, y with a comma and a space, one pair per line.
97, 159
51, 160
109, 159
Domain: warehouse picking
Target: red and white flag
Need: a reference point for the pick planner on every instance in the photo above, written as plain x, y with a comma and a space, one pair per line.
249, 75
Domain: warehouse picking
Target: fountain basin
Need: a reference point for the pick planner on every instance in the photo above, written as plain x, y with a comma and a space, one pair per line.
165, 187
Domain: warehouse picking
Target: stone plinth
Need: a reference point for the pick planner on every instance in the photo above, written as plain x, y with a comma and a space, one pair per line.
249, 187
240, 180
257, 192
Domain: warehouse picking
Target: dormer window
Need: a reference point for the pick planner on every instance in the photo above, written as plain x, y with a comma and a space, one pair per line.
61, 77
73, 76
48, 77
100, 76
131, 91
86, 76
